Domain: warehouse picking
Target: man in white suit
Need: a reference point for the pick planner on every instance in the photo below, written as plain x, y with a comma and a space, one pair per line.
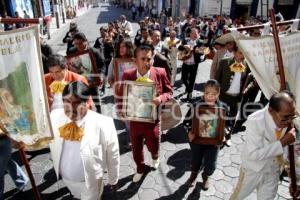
85, 144
266, 138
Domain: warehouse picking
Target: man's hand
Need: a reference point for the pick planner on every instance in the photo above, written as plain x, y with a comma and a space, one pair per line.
191, 136
288, 138
156, 101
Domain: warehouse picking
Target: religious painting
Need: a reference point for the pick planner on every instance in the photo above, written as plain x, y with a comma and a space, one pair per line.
208, 126
137, 101
24, 114
84, 64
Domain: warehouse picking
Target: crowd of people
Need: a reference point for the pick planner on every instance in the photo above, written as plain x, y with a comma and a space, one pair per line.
88, 138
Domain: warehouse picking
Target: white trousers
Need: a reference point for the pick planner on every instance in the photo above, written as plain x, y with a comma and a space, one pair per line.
80, 191
265, 183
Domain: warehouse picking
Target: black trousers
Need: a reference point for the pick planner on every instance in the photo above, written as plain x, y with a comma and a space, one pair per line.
96, 98
188, 76
204, 156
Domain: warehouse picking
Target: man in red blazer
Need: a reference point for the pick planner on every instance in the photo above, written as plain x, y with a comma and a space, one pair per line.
142, 131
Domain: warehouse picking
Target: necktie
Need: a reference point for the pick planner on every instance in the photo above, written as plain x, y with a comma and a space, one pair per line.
143, 79
237, 67
57, 87
71, 132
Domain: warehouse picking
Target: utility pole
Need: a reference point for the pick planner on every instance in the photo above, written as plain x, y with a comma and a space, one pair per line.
63, 11
55, 10
38, 8
221, 7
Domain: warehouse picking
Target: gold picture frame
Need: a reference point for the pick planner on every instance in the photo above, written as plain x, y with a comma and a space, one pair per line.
120, 65
208, 126
137, 101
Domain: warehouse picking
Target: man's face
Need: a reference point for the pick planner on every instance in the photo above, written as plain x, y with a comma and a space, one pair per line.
239, 56
284, 116
230, 46
74, 107
80, 44
143, 61
145, 34
57, 72
156, 37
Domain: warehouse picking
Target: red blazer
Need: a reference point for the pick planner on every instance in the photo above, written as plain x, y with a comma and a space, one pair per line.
70, 77
157, 75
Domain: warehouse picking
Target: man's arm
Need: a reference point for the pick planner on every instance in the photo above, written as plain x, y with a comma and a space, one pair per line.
112, 154
257, 146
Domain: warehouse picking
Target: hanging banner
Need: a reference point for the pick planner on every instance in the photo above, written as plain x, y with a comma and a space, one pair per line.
261, 57
23, 107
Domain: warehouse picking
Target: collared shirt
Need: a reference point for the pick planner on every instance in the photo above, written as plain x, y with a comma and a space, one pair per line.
235, 85
228, 54
71, 166
138, 75
191, 60
158, 47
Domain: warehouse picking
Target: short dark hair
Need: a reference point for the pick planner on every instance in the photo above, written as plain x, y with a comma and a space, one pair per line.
213, 83
56, 60
80, 36
78, 89
279, 98
143, 48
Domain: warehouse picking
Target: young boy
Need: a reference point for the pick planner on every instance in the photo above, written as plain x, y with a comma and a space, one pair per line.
203, 156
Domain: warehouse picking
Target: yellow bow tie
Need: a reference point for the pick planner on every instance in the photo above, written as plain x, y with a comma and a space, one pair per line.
143, 79
237, 67
71, 132
57, 87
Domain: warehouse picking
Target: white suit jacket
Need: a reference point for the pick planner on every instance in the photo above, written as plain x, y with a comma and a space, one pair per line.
99, 147
261, 146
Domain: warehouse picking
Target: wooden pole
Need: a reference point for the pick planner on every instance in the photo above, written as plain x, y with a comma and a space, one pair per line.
29, 172
262, 26
25, 162
283, 87
20, 20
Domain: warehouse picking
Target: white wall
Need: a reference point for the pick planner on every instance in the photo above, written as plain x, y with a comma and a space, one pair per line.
258, 13
212, 7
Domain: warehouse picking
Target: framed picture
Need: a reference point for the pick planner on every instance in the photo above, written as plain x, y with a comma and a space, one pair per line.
84, 63
24, 113
137, 101
120, 65
208, 125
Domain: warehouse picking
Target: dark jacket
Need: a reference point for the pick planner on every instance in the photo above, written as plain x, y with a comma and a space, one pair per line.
162, 62
187, 122
224, 76
197, 56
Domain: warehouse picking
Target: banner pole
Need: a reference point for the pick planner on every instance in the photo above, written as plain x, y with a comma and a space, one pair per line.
283, 87
29, 172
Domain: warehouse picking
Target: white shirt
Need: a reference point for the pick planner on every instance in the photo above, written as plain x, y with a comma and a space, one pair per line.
71, 166
138, 75
191, 60
235, 86
228, 54
158, 47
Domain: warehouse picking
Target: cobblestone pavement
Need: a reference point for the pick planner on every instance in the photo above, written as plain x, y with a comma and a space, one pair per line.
167, 181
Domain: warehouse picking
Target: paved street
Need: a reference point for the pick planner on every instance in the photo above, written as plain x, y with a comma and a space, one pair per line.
167, 182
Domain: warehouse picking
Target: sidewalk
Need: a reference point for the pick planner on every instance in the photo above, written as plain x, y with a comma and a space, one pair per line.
53, 26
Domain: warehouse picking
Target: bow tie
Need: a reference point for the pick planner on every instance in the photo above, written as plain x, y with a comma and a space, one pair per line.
71, 132
57, 87
237, 67
143, 79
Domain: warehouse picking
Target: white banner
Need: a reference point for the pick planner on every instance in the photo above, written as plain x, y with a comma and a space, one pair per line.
261, 57
23, 107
